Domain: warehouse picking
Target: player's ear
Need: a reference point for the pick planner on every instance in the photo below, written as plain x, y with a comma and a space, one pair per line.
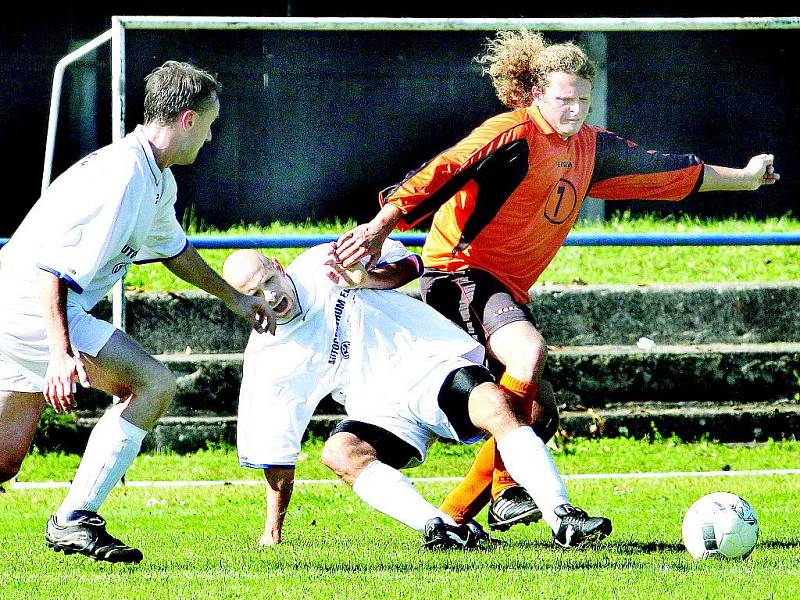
186, 119
278, 266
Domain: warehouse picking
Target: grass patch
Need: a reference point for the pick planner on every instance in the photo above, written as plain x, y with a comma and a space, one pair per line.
200, 543
594, 265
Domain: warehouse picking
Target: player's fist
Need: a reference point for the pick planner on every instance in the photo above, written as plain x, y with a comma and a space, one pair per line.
761, 171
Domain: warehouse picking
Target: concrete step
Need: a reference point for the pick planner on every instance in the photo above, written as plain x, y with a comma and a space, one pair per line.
668, 314
731, 422
596, 376
583, 377
725, 363
566, 315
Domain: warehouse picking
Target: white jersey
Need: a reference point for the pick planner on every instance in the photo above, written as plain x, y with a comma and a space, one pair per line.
111, 209
381, 353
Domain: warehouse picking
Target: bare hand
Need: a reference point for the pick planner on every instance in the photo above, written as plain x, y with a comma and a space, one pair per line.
62, 372
352, 277
361, 241
257, 312
760, 171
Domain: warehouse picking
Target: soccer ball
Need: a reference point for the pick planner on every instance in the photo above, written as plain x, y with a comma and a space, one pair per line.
720, 525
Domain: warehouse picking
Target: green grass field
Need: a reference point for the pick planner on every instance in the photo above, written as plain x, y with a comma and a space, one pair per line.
587, 265
200, 542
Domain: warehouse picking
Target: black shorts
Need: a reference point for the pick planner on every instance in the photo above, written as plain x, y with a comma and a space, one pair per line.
389, 448
454, 400
475, 301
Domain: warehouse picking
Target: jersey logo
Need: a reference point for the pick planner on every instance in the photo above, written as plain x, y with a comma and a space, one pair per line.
338, 345
129, 252
561, 203
565, 164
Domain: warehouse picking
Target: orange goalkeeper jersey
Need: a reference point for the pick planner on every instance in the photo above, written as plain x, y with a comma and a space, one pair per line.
507, 195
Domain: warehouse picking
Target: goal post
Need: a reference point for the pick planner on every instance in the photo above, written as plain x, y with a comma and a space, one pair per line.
122, 24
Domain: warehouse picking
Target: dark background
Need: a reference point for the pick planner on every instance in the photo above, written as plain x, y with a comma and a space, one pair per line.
314, 124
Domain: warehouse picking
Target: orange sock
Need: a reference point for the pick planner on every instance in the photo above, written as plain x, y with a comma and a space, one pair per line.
472, 493
522, 393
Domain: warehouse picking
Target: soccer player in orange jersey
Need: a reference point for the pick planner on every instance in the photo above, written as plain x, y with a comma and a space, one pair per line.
504, 199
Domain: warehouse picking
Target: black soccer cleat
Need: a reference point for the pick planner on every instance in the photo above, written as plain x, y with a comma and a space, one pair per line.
482, 539
442, 536
578, 528
514, 506
88, 536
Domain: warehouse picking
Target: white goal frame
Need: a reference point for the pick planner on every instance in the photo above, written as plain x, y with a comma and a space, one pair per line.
120, 24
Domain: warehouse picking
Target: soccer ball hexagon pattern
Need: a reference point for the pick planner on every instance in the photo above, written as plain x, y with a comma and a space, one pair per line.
720, 525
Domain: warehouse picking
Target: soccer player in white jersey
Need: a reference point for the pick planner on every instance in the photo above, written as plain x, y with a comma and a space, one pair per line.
113, 208
405, 375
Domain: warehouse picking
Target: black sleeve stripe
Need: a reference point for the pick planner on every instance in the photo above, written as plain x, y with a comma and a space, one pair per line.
616, 157
498, 174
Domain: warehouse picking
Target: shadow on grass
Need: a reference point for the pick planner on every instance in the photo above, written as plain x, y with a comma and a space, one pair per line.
778, 544
645, 547
621, 546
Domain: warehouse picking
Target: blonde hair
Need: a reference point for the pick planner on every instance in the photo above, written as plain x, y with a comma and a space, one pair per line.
519, 61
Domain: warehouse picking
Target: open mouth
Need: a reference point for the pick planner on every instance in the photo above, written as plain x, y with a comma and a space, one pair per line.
282, 307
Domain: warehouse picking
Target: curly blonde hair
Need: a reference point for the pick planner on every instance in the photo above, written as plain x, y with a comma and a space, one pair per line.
518, 61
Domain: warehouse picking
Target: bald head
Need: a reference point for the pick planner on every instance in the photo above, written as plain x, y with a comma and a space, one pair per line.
244, 270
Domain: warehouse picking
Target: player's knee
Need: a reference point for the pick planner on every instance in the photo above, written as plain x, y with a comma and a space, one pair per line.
528, 358
347, 455
544, 412
335, 455
161, 388
491, 410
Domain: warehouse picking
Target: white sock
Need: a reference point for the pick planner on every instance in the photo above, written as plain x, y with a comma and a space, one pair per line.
531, 465
389, 491
112, 447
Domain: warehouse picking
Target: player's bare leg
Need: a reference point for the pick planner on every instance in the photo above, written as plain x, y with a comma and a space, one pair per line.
19, 414
145, 388
521, 348
531, 464
387, 490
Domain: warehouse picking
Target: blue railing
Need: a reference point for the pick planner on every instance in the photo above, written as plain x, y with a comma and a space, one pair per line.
573, 239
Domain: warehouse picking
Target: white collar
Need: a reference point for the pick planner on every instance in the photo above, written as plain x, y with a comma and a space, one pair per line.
141, 138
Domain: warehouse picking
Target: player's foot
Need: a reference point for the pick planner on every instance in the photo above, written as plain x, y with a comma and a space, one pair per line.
513, 506
88, 536
442, 536
578, 528
482, 539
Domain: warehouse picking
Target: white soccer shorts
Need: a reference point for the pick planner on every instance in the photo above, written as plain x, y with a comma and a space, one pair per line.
24, 353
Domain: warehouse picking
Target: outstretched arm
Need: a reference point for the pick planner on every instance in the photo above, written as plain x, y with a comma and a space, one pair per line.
280, 484
191, 267
759, 171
